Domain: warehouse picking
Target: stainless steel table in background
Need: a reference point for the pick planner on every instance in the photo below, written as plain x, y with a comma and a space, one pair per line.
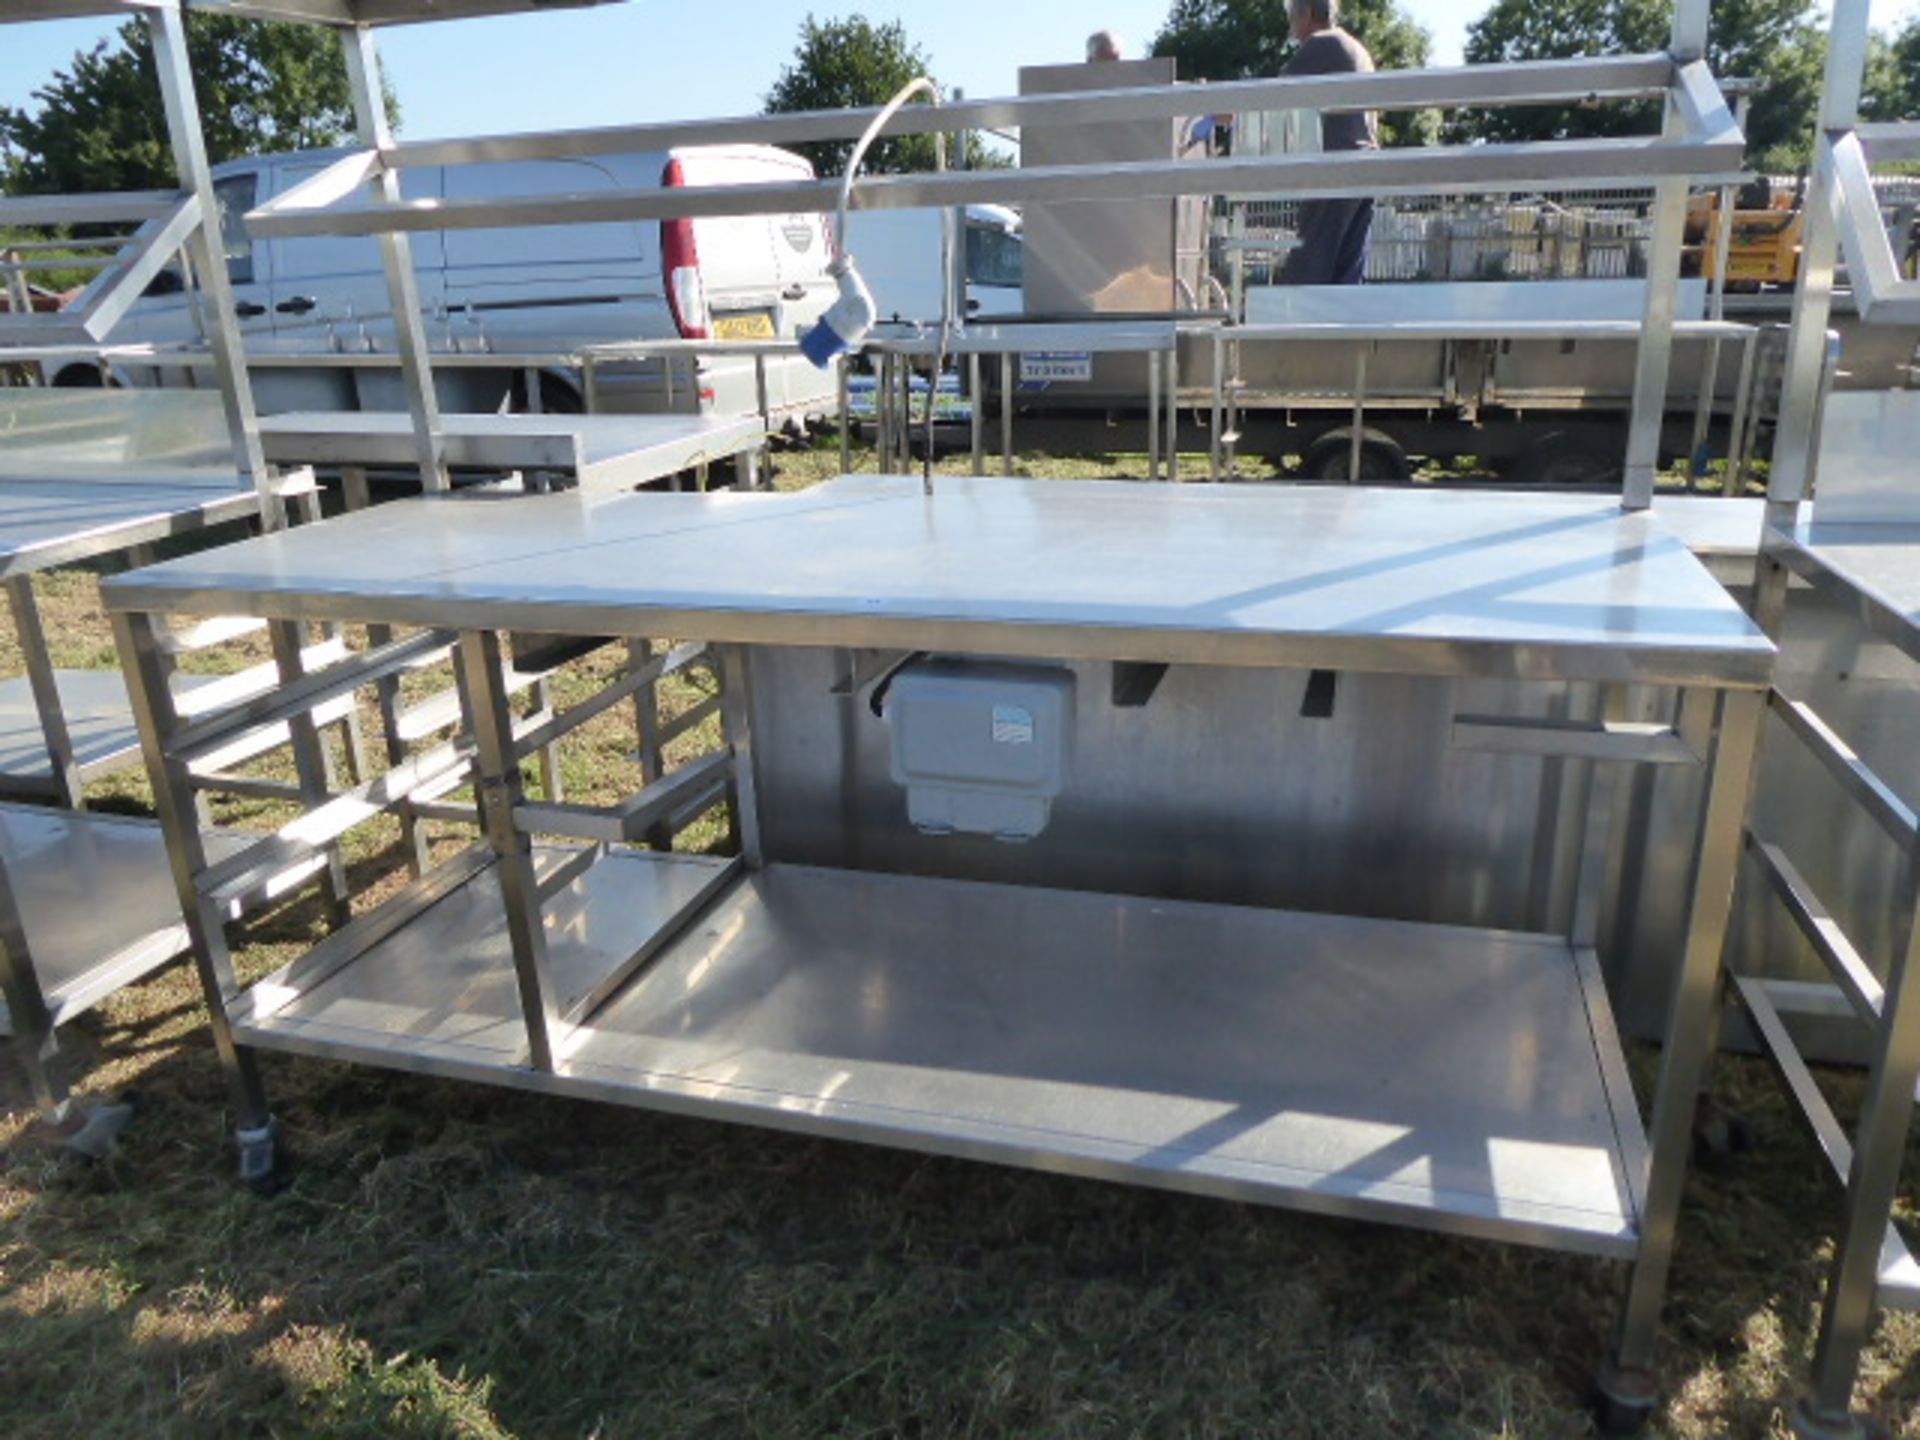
1158, 341
600, 452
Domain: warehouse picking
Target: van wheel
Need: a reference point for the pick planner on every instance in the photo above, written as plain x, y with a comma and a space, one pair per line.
80, 377
1568, 459
1331, 458
557, 397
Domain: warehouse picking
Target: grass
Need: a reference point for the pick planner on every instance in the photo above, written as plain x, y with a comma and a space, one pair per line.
457, 1261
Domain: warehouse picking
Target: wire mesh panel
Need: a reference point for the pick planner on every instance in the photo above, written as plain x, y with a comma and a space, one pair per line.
1599, 234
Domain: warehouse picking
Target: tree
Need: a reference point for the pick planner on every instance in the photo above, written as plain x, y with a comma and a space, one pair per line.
1777, 42
1893, 75
850, 63
1245, 39
101, 126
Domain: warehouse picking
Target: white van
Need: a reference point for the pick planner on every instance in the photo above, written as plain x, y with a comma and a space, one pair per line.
528, 290
899, 256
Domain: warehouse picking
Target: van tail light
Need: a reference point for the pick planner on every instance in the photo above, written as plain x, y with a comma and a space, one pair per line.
680, 261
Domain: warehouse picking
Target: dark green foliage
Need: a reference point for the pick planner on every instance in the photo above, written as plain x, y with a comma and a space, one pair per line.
1778, 42
1242, 39
850, 63
1893, 75
100, 125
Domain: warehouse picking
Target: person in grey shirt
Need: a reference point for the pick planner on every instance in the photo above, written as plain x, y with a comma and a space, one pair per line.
1334, 234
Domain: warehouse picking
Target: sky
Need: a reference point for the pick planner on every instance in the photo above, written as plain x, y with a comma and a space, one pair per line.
654, 60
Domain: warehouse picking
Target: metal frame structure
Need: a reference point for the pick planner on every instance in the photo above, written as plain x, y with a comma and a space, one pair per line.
1868, 569
162, 223
358, 195
529, 963
61, 951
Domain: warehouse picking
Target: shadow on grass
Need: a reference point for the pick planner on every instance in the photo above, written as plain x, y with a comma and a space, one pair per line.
452, 1260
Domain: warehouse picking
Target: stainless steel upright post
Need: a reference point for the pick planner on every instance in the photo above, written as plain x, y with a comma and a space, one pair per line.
497, 778
207, 257
1173, 411
63, 769
1153, 415
1690, 1030
736, 718
1006, 413
1797, 427
1218, 403
138, 639
1655, 358
313, 770
1357, 440
1716, 311
977, 408
34, 1041
396, 254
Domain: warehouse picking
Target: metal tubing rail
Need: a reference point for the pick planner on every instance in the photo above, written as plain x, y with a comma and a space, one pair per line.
1870, 1269
1528, 82
1881, 294
1440, 169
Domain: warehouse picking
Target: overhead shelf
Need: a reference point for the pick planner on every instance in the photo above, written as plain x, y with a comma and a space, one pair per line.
1277, 1057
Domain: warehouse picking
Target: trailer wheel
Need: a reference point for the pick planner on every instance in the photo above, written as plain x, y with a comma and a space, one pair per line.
1569, 459
1331, 458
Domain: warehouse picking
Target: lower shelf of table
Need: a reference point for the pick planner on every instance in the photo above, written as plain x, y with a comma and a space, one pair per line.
1454, 1079
99, 723
96, 900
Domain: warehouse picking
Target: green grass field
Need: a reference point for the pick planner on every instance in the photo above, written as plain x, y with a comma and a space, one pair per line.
456, 1261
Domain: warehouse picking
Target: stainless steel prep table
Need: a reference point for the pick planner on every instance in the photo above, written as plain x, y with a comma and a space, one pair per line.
59, 728
599, 451
1156, 340
86, 904
1450, 1077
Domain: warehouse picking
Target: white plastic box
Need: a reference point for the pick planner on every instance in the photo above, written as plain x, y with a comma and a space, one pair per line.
982, 747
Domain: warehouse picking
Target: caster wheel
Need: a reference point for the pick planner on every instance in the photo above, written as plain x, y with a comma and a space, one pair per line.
263, 1163
1623, 1401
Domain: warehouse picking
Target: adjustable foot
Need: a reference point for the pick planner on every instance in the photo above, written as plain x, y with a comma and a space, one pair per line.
1809, 1424
262, 1165
1624, 1400
88, 1132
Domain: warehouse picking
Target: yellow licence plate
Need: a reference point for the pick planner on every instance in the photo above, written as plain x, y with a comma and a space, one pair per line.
753, 325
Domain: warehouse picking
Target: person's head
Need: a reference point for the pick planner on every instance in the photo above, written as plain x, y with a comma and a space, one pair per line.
1310, 17
1102, 45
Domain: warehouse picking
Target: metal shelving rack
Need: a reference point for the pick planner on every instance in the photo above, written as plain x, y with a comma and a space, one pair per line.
1860, 548
87, 475
1455, 1078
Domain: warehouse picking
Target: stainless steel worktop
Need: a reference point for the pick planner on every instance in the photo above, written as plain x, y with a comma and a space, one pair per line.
602, 451
1876, 567
1529, 586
